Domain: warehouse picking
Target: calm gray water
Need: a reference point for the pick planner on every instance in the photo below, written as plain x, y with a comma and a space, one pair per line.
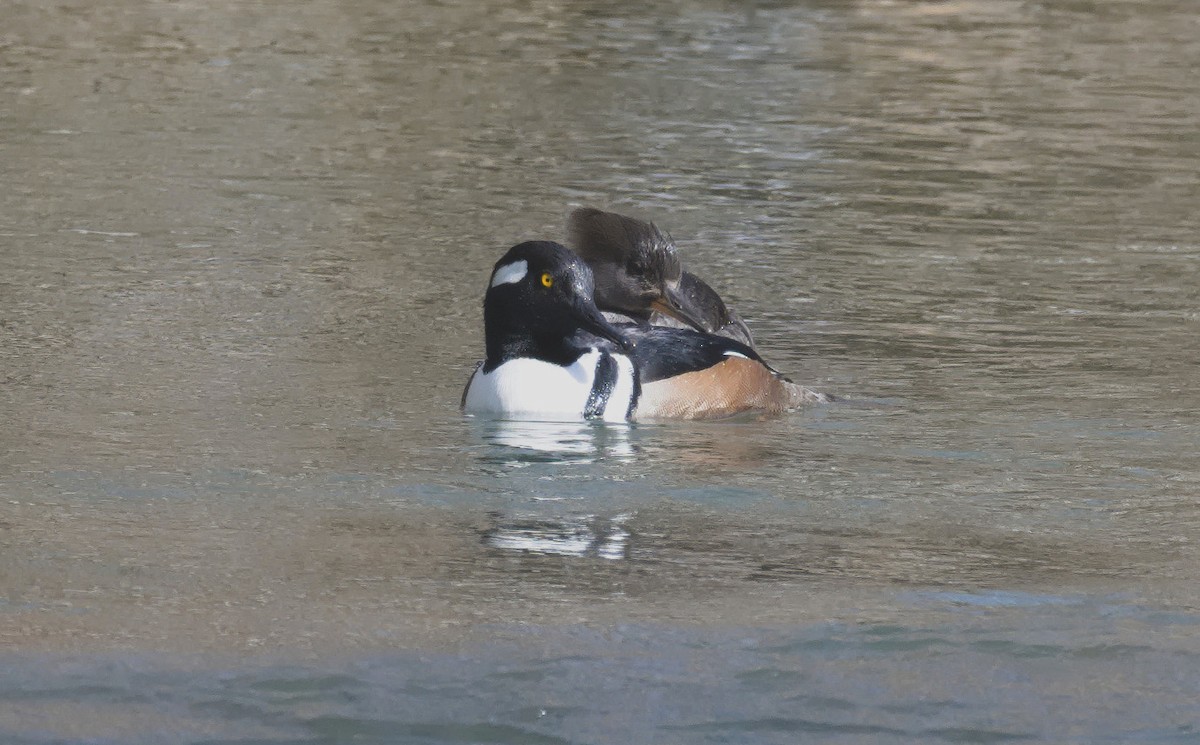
242, 253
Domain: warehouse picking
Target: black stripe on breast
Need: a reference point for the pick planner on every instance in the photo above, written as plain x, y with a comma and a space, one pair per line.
602, 386
637, 394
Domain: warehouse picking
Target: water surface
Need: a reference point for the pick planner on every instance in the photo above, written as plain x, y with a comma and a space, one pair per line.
242, 254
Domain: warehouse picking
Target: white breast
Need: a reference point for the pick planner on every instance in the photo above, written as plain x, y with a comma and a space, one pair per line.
622, 395
526, 388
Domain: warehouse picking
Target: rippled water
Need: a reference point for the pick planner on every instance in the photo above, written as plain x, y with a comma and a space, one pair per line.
242, 252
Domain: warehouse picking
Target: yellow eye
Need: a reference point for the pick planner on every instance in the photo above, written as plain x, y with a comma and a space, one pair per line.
547, 280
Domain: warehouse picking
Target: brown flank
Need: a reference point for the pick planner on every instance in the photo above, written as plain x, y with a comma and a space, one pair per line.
727, 388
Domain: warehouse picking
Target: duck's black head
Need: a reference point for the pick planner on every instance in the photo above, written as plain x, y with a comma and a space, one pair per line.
539, 300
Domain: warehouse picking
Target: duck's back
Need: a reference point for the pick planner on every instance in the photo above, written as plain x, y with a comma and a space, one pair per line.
691, 375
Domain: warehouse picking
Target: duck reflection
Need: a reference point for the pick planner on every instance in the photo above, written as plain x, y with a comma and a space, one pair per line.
736, 443
521, 442
587, 535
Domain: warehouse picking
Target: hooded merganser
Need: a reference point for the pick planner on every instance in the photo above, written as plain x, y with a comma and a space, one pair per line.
639, 276
551, 354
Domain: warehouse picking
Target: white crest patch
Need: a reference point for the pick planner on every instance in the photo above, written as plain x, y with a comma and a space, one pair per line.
514, 272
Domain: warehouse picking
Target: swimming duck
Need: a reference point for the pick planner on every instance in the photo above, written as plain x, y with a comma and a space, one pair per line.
551, 354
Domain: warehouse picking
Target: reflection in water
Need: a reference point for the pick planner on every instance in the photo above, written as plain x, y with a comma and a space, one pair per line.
516, 444
588, 535
534, 441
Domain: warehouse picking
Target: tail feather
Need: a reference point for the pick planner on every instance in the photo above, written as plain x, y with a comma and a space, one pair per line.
799, 396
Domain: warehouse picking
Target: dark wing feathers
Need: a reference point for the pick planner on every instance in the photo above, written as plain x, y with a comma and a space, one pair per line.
661, 352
